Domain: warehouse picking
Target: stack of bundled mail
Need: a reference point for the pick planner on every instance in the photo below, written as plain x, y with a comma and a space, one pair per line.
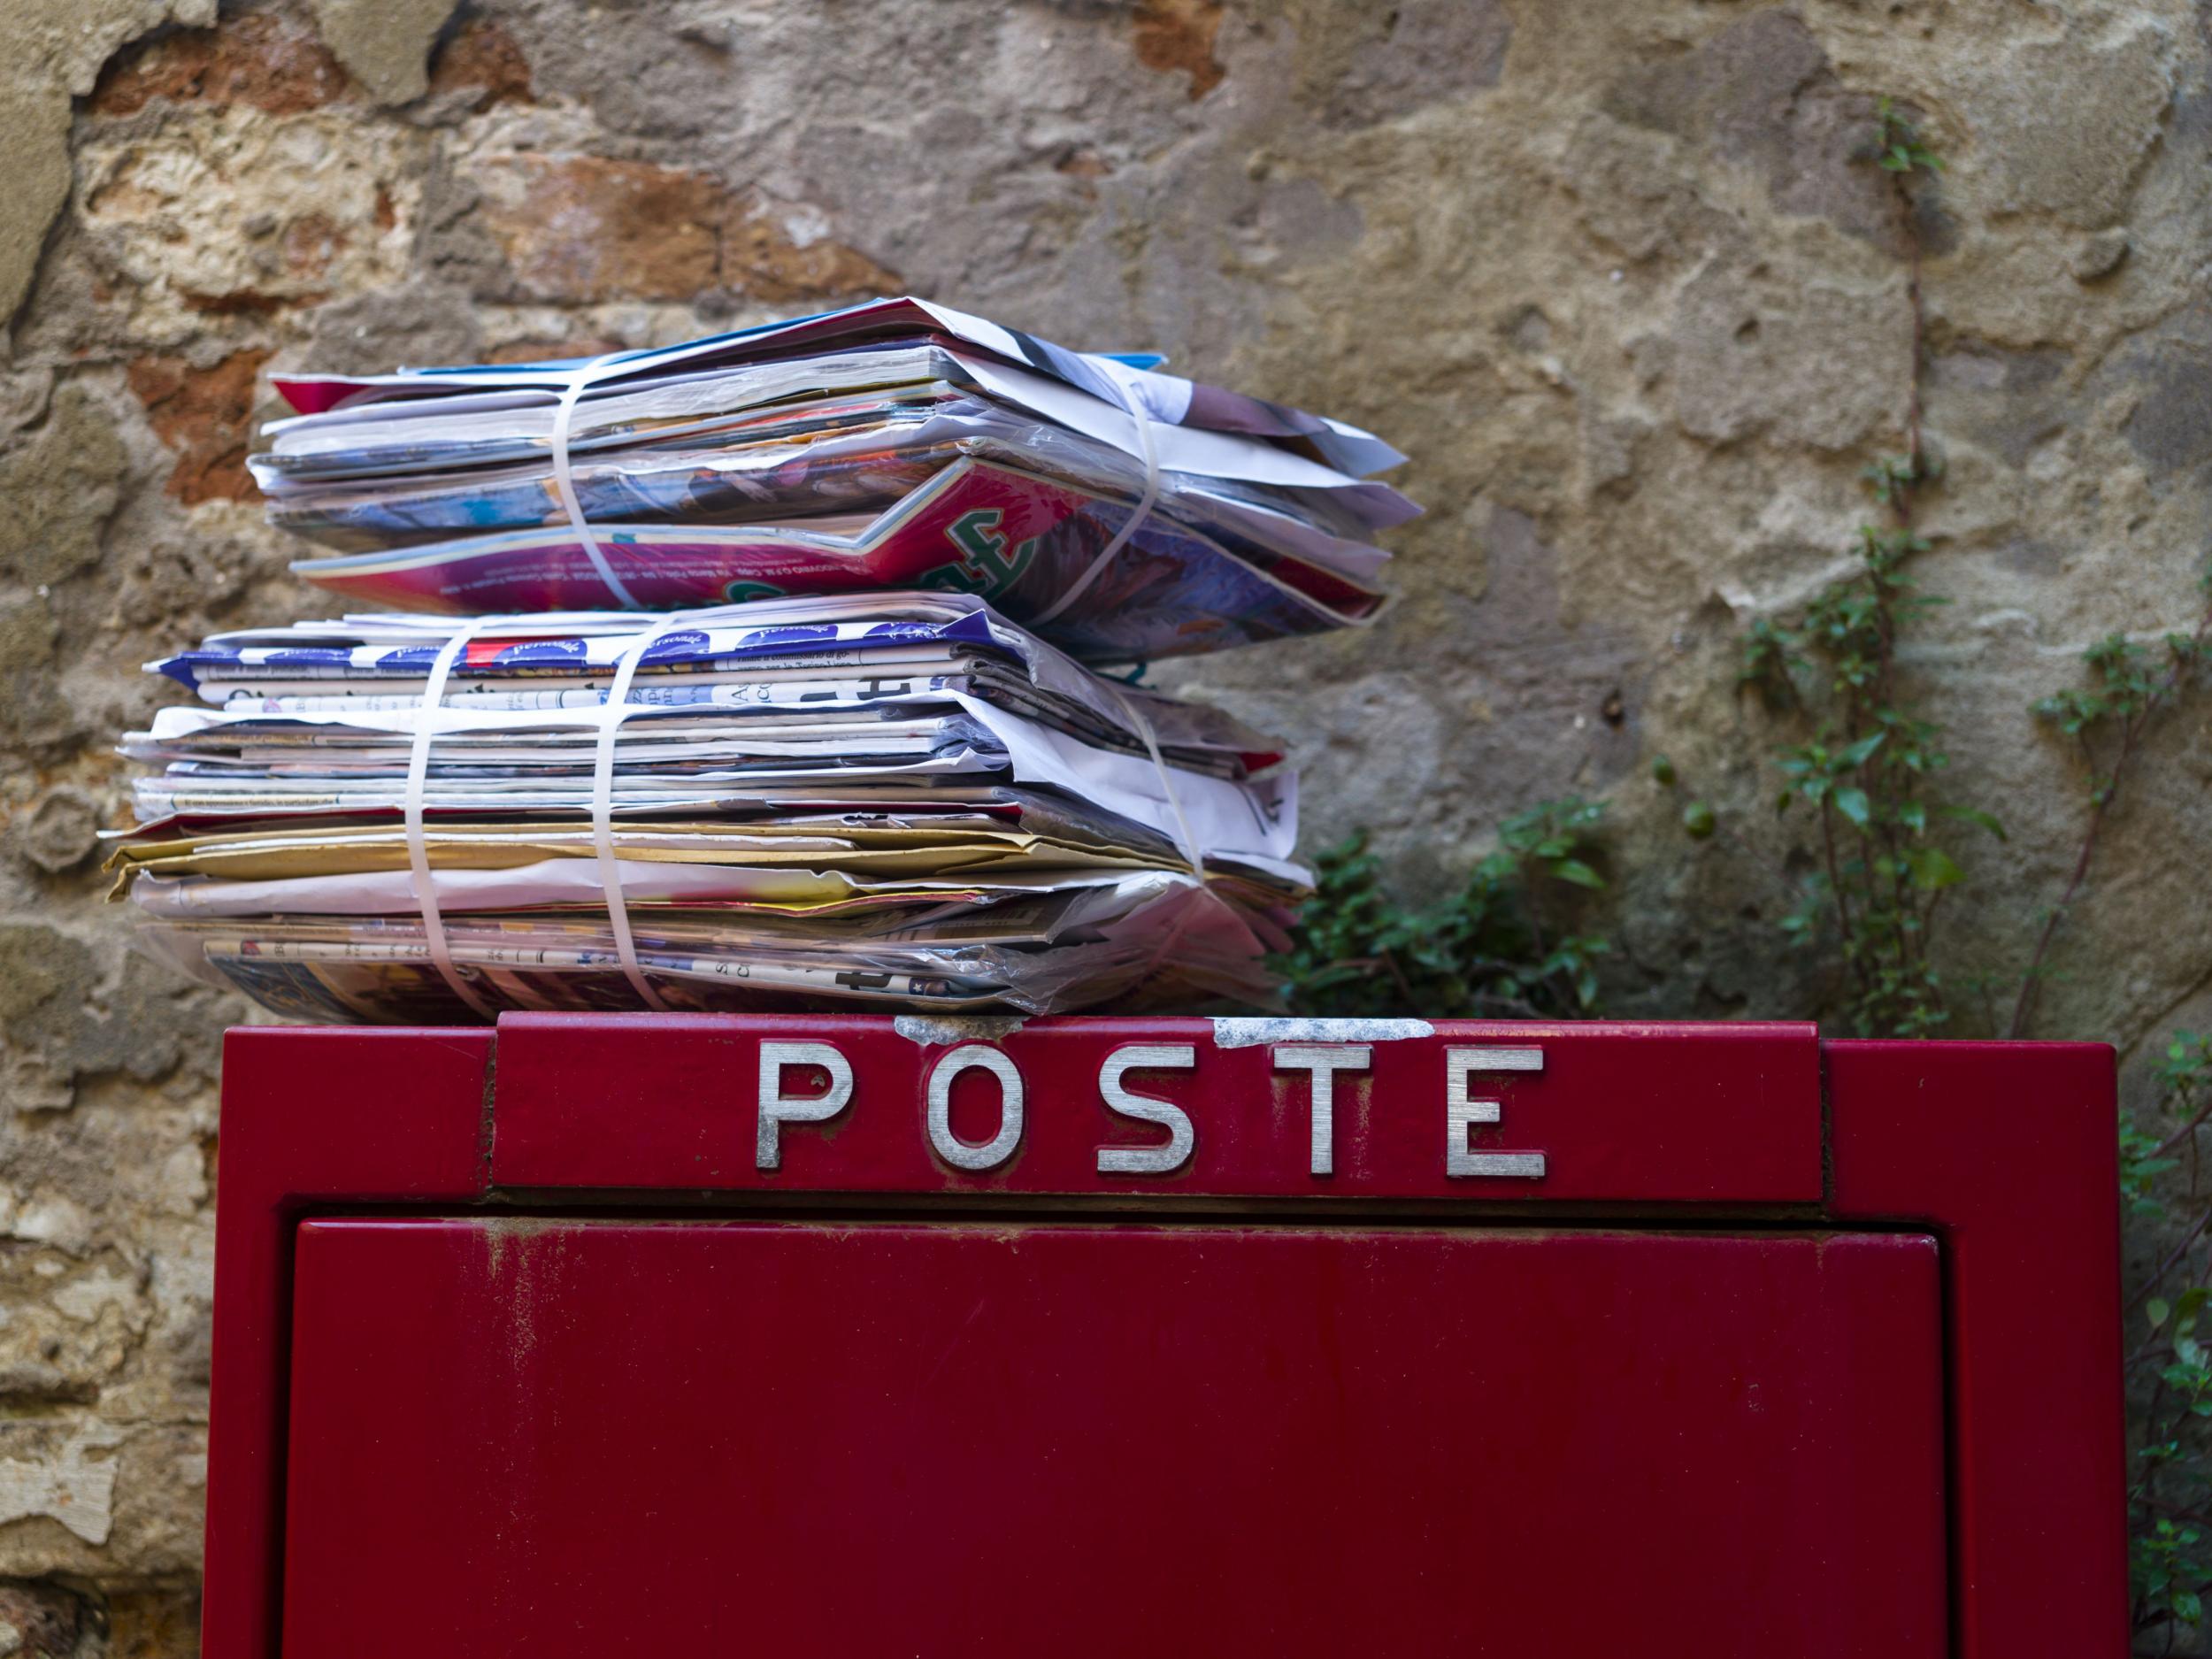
838, 748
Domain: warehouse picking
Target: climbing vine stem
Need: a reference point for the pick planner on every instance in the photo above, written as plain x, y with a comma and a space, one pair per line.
1866, 771
2129, 687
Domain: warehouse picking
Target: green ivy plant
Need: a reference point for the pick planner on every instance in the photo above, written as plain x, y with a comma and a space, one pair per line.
2171, 1489
1897, 143
1866, 774
1866, 771
1504, 943
2129, 687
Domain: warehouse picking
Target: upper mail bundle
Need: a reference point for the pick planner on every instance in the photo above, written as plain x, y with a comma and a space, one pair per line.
1122, 512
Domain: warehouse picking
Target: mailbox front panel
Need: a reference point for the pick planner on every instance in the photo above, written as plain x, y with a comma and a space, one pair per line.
612, 1437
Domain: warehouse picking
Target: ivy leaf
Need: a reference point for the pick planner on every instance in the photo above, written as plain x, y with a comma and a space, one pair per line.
2159, 1310
1854, 805
1357, 951
1932, 869
1976, 815
1859, 753
1587, 985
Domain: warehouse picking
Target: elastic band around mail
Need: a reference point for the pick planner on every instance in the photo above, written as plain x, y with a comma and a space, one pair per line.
617, 709
1192, 850
564, 482
1120, 538
429, 720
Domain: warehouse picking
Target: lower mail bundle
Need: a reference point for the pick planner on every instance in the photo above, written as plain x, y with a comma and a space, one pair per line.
887, 800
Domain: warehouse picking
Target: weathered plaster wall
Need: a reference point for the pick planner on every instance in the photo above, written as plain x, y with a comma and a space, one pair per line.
1607, 269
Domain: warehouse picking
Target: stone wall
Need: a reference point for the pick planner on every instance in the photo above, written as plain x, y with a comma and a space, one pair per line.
1615, 274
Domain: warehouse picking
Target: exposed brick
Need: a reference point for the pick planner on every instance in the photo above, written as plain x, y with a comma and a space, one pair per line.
482, 57
264, 59
580, 227
241, 302
45, 1618
761, 261
159, 1623
205, 415
1171, 34
585, 229
310, 241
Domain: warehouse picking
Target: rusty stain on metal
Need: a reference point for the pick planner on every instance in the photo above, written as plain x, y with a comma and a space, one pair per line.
934, 1030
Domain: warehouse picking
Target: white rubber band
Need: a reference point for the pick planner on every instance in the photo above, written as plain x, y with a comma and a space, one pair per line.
617, 709
430, 719
1192, 850
565, 481
1143, 510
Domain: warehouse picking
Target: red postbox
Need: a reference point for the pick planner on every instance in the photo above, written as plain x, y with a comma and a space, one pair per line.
849, 1336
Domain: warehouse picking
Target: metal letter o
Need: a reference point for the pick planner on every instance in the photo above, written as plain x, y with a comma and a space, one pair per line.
999, 1147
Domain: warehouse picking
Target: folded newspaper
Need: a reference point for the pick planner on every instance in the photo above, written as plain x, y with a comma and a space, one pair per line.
889, 799
1124, 513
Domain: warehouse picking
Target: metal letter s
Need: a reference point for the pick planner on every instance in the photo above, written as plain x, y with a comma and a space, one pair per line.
1153, 1160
